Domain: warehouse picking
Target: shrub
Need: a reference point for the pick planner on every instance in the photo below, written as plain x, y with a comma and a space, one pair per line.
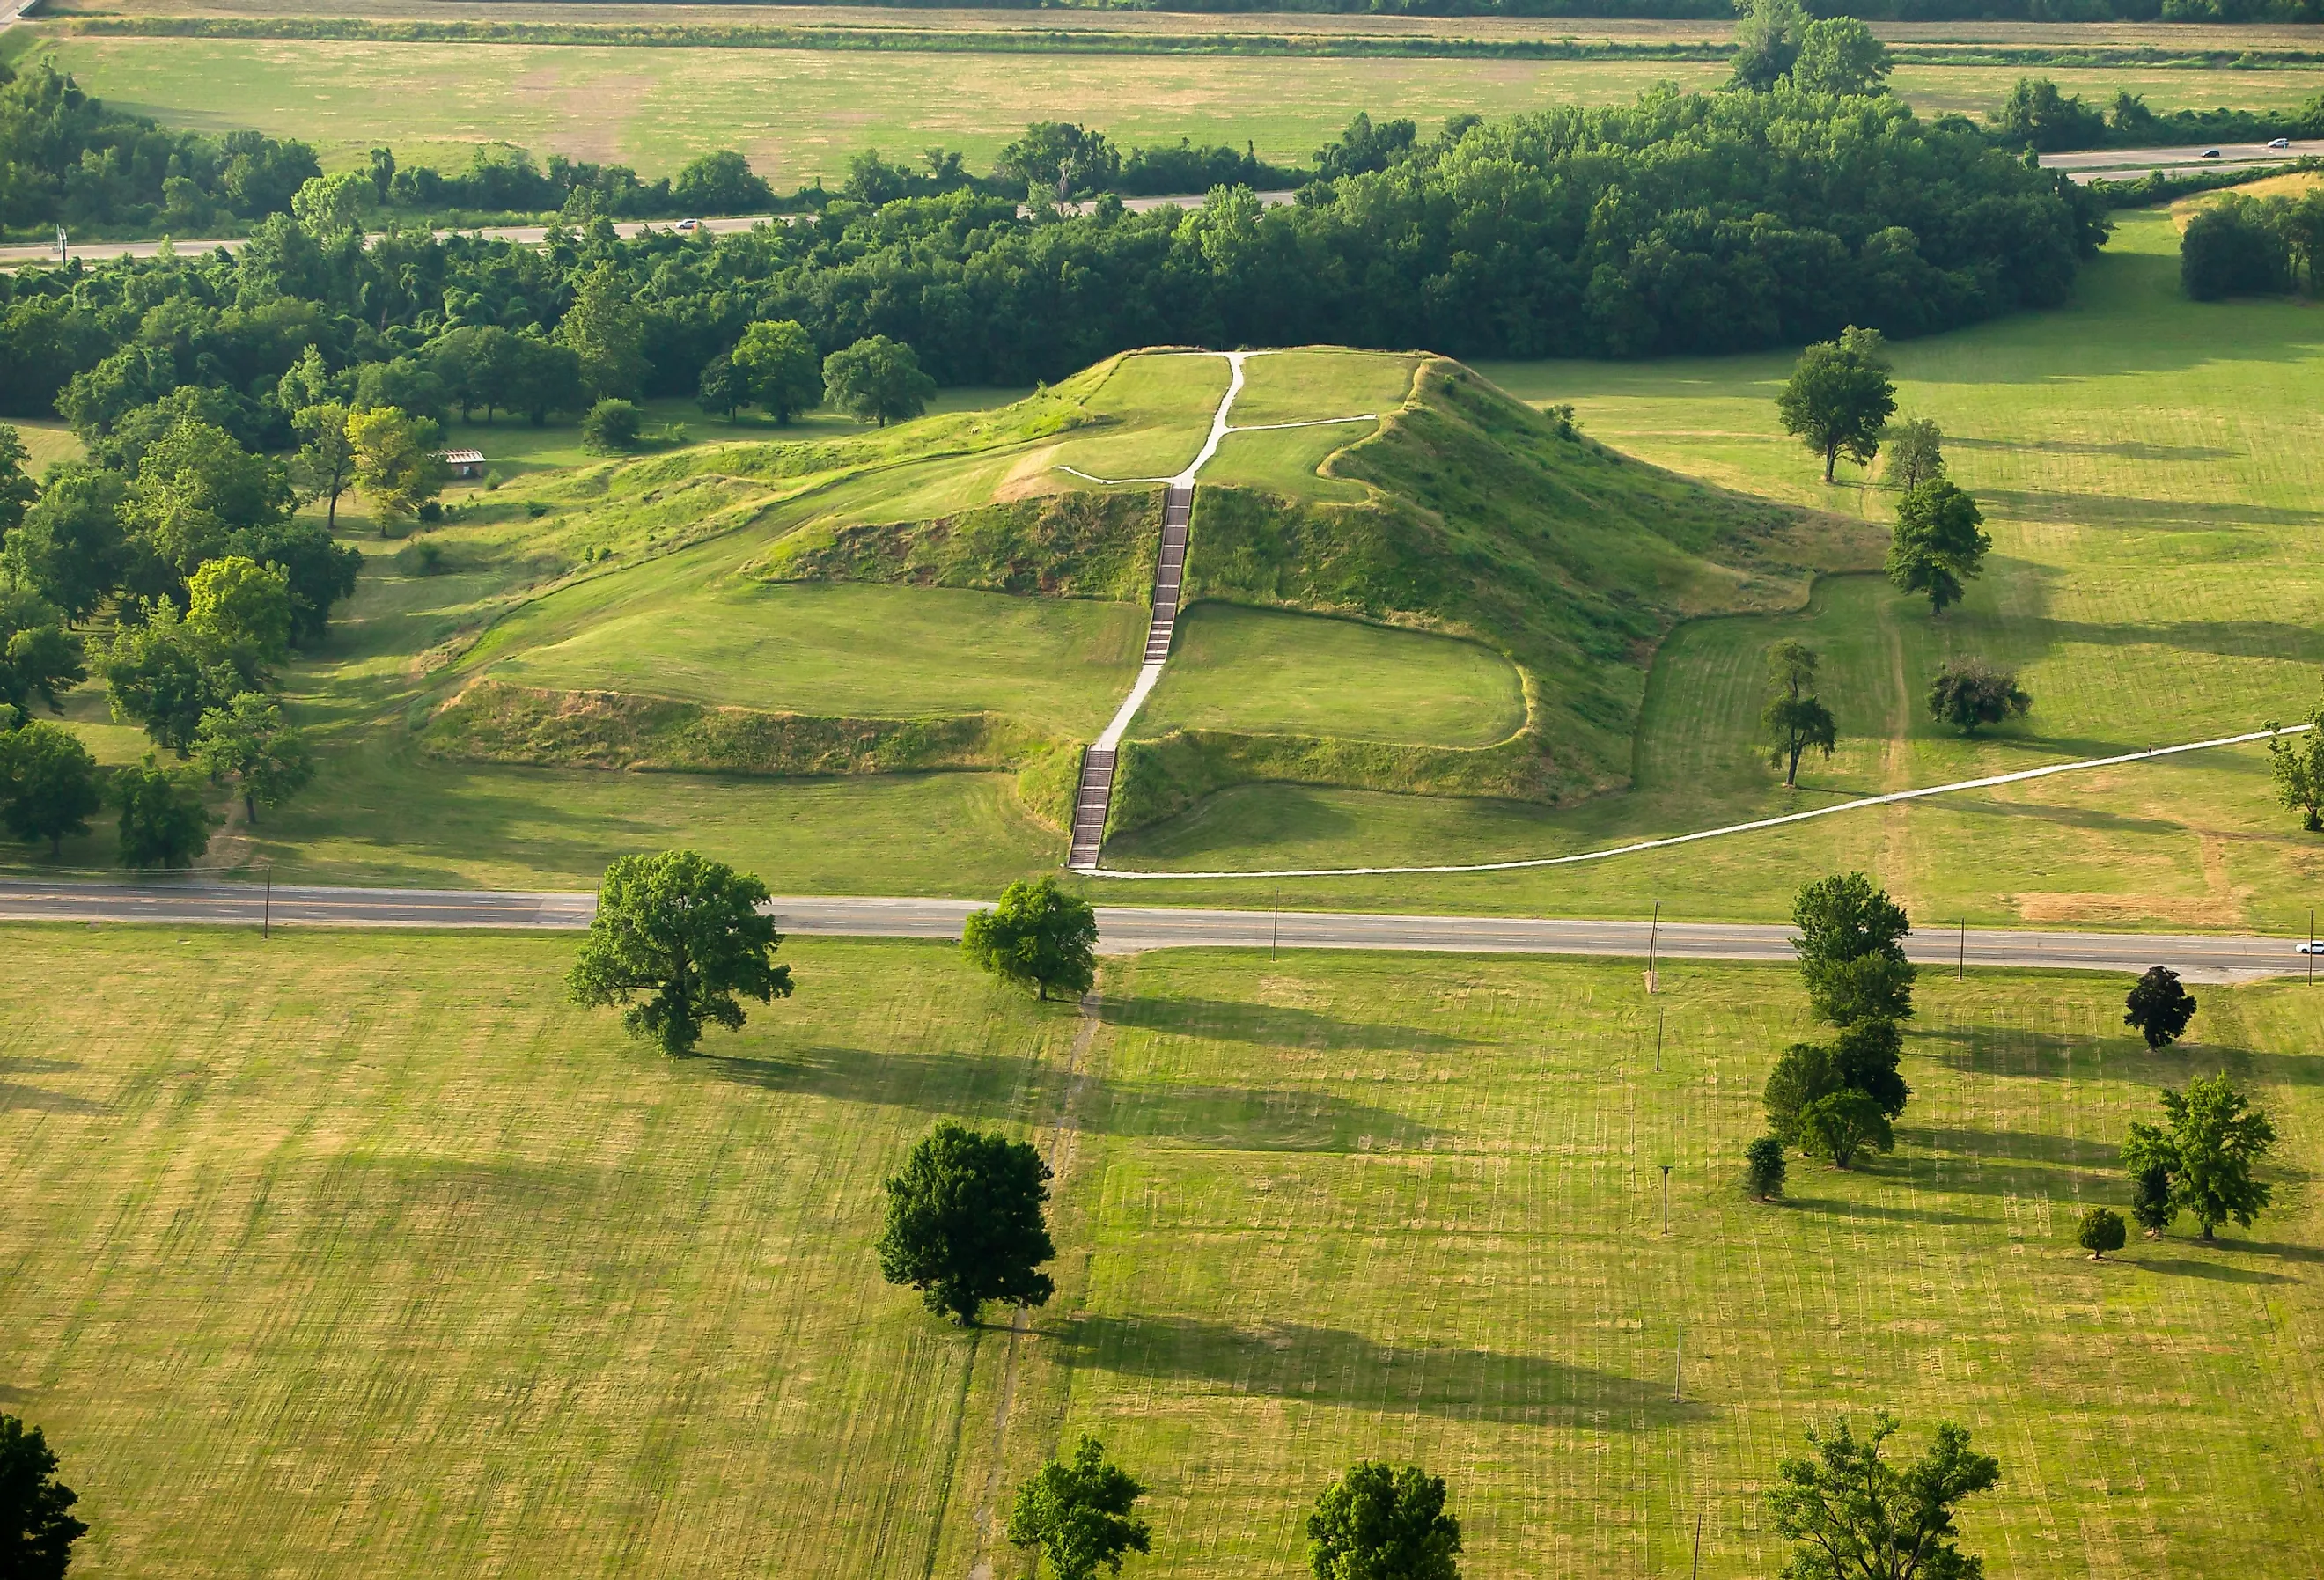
1763, 1168
2102, 1230
1969, 692
612, 427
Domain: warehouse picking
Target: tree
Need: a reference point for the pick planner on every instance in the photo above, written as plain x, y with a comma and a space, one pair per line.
963, 1223
164, 675
164, 823
1058, 160
331, 206
1076, 1511
196, 486
606, 330
2159, 1007
687, 932
243, 607
320, 570
1969, 692
2214, 1138
878, 379
779, 369
1939, 543
1866, 1056
2297, 764
545, 377
69, 548
1763, 1168
1852, 1515
2101, 1231
324, 466
1037, 934
723, 388
1376, 1523
611, 428
720, 182
2231, 248
1841, 397
1767, 36
1793, 718
247, 742
1803, 1074
17, 489
2150, 1197
1916, 453
397, 462
36, 1533
1840, 1124
38, 658
1851, 950
2036, 115
48, 784
1841, 55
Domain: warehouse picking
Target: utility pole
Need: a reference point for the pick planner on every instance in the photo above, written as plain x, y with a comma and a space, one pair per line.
266, 917
1658, 1041
1275, 937
2311, 946
1698, 1545
1960, 963
1666, 1168
1678, 1363
61, 244
1654, 930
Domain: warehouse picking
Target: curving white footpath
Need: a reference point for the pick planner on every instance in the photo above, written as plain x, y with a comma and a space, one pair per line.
2019, 777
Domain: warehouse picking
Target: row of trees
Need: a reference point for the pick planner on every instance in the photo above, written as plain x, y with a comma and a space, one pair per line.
2240, 245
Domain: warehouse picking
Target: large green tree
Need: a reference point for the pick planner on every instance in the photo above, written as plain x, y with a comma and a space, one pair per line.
2159, 1007
1851, 950
164, 674
48, 784
1841, 55
38, 658
779, 369
242, 606
399, 466
1939, 543
679, 940
876, 380
1040, 935
606, 329
1840, 397
17, 489
963, 1223
36, 1530
324, 466
69, 548
2296, 763
247, 744
1077, 1509
164, 823
1852, 1515
1794, 718
1378, 1522
2211, 1139
1966, 693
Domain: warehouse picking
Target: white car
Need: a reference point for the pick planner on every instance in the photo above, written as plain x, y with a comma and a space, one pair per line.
687, 225
2315, 946
2279, 142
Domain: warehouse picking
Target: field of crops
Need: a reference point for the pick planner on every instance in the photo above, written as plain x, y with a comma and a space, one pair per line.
802, 114
352, 1254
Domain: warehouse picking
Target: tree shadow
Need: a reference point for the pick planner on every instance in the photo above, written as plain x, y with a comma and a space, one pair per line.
9, 1395
27, 1065
1332, 1366
1863, 1210
2039, 1056
2065, 812
2179, 1267
2128, 449
2281, 1250
1987, 1146
1256, 1119
1272, 1025
2120, 510
40, 1100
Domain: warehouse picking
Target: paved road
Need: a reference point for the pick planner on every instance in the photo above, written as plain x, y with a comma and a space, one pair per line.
1126, 929
528, 234
2125, 164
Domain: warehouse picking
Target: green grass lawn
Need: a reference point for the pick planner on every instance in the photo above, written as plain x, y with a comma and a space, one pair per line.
801, 114
1155, 412
1268, 670
367, 1254
875, 651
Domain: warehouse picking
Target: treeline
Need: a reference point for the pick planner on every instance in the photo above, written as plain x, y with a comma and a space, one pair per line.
2253, 246
2037, 115
1682, 223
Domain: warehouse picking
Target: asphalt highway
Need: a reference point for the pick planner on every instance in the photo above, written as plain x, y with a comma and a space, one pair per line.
1123, 930
2128, 164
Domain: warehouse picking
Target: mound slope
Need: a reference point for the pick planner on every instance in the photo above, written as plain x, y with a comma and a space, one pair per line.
1461, 512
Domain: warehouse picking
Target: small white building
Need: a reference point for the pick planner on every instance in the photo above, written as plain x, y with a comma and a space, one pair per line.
465, 463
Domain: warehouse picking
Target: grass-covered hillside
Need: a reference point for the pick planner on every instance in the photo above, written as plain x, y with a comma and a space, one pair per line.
963, 593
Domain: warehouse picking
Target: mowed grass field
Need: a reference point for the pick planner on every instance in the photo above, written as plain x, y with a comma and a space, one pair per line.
2148, 467
1271, 672
802, 114
366, 1254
